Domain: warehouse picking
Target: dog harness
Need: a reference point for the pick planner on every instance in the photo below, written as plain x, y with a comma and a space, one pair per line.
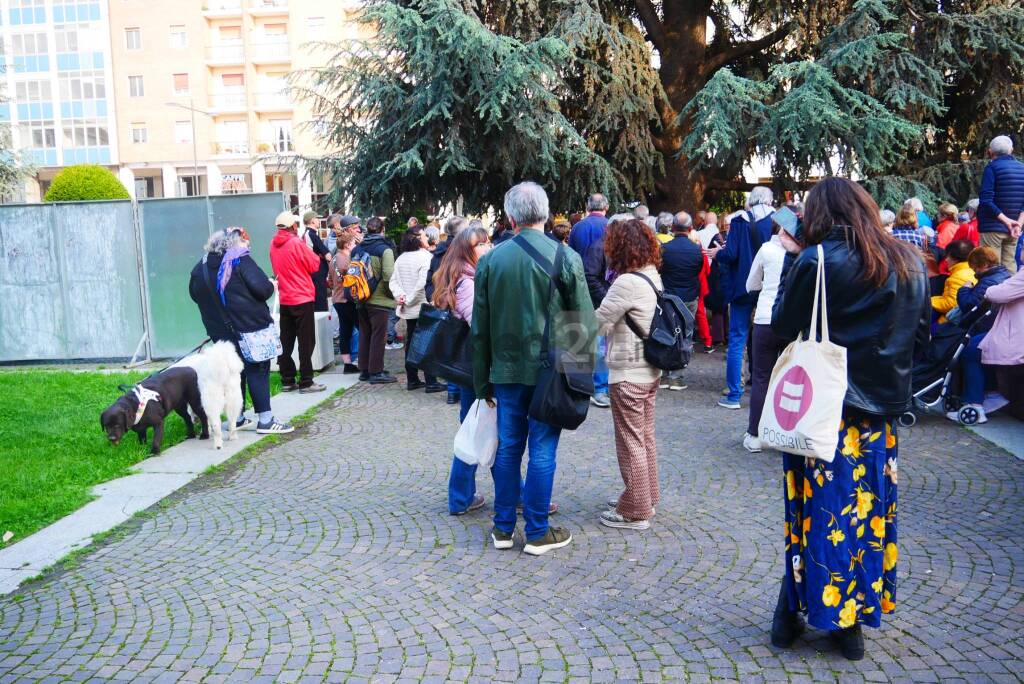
144, 396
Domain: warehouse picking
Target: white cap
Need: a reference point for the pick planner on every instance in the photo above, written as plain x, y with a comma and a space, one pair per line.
286, 219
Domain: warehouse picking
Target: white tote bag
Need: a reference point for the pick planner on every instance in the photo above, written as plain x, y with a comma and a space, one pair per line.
476, 442
804, 404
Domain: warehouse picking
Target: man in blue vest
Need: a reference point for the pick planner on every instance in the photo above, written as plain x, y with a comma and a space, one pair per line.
1001, 207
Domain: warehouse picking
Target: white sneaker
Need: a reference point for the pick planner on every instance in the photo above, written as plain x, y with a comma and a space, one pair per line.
614, 519
751, 444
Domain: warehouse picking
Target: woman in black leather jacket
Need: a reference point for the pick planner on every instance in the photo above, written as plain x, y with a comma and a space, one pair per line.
840, 521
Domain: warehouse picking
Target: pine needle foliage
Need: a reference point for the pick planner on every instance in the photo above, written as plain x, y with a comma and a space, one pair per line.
458, 99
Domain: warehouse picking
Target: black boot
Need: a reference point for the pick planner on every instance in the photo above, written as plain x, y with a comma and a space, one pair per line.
851, 642
786, 624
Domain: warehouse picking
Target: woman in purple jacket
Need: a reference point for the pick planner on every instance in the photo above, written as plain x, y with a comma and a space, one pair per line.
453, 291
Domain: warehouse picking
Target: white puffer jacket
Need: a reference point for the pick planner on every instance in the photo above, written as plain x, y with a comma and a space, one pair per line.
410, 279
629, 294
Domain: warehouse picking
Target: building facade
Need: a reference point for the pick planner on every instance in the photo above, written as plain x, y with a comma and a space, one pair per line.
58, 81
199, 89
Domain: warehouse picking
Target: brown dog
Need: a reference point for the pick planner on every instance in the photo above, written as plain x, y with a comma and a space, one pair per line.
149, 403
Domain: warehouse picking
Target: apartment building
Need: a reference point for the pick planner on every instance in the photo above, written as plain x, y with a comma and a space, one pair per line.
200, 87
57, 78
178, 97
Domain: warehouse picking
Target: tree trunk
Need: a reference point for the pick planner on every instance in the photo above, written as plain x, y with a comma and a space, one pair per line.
683, 59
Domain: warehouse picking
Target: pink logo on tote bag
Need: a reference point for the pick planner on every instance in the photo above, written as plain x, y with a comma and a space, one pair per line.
792, 397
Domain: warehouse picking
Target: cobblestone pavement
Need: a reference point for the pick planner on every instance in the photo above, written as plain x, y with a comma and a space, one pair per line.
331, 556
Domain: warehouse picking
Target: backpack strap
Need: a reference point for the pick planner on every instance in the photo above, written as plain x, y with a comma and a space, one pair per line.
629, 319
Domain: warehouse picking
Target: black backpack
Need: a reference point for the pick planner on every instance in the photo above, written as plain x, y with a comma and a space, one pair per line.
669, 343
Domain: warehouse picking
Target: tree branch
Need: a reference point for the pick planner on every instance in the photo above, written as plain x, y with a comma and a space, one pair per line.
734, 52
652, 24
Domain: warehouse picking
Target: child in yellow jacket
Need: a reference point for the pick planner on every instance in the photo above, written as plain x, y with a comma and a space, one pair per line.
960, 274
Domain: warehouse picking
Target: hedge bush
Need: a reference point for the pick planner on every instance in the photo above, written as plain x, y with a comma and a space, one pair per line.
85, 182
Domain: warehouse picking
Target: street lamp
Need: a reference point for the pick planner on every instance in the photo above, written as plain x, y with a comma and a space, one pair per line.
195, 155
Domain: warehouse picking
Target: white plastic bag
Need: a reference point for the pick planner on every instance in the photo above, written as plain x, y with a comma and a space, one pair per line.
804, 403
476, 442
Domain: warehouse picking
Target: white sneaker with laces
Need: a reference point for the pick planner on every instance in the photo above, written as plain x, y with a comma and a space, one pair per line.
751, 444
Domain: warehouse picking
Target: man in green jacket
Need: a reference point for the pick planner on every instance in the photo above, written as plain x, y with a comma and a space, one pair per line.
509, 310
373, 315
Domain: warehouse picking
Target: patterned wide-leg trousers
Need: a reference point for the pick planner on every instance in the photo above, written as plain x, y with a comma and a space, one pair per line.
636, 448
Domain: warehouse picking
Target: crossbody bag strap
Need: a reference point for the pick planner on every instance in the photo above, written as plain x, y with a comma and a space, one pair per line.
629, 319
216, 299
553, 270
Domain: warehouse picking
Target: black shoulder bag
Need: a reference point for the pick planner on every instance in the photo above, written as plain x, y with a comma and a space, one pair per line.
564, 383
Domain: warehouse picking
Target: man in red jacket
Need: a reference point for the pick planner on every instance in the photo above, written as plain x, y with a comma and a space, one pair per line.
293, 264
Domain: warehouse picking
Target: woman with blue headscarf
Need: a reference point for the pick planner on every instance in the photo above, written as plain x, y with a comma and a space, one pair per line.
233, 277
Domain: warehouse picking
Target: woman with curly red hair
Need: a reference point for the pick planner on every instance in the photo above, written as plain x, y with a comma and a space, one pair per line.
633, 254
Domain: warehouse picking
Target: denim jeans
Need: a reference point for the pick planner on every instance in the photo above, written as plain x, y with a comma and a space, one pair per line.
973, 372
392, 329
454, 389
739, 328
462, 480
601, 367
516, 430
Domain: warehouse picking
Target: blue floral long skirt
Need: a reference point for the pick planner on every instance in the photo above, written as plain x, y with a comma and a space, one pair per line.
841, 527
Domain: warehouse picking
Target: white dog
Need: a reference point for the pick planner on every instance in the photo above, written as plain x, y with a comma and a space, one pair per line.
220, 386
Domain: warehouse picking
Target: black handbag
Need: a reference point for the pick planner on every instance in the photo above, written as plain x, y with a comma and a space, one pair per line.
565, 382
444, 350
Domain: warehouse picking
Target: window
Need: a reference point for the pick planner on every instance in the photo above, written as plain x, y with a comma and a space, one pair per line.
233, 81
275, 29
138, 133
182, 132
37, 134
316, 27
135, 87
82, 85
66, 38
179, 38
132, 39
85, 133
282, 132
32, 91
229, 34
29, 44
181, 84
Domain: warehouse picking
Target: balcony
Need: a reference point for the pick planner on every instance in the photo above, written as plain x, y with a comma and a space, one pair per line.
228, 103
271, 52
231, 148
222, 9
225, 54
267, 8
278, 146
274, 102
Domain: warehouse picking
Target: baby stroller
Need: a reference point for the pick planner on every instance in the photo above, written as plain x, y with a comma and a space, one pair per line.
933, 372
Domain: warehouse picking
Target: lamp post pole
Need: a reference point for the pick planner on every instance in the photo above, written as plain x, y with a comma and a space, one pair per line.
195, 153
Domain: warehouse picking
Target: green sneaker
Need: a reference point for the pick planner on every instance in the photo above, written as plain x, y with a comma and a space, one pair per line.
555, 538
502, 540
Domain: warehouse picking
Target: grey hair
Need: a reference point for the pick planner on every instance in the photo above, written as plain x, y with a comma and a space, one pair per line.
597, 202
641, 211
333, 220
664, 222
887, 216
527, 204
682, 221
475, 224
760, 195
454, 224
1001, 145
620, 217
222, 241
915, 203
433, 234
972, 206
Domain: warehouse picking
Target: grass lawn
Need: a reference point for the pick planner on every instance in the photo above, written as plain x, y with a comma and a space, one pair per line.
52, 448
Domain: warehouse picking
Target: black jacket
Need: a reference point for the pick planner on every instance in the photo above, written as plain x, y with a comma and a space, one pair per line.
246, 294
879, 326
595, 268
435, 263
681, 262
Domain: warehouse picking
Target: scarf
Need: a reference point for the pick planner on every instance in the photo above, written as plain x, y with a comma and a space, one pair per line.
227, 265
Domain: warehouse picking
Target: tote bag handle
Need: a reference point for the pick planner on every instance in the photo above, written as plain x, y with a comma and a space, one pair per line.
820, 295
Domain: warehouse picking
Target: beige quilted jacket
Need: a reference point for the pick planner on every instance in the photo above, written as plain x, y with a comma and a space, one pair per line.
629, 294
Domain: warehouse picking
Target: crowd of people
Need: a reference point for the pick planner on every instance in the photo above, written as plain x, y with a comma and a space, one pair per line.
747, 279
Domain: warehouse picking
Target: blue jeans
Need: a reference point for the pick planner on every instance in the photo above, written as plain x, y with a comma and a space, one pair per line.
973, 372
739, 328
601, 367
515, 430
462, 480
455, 389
